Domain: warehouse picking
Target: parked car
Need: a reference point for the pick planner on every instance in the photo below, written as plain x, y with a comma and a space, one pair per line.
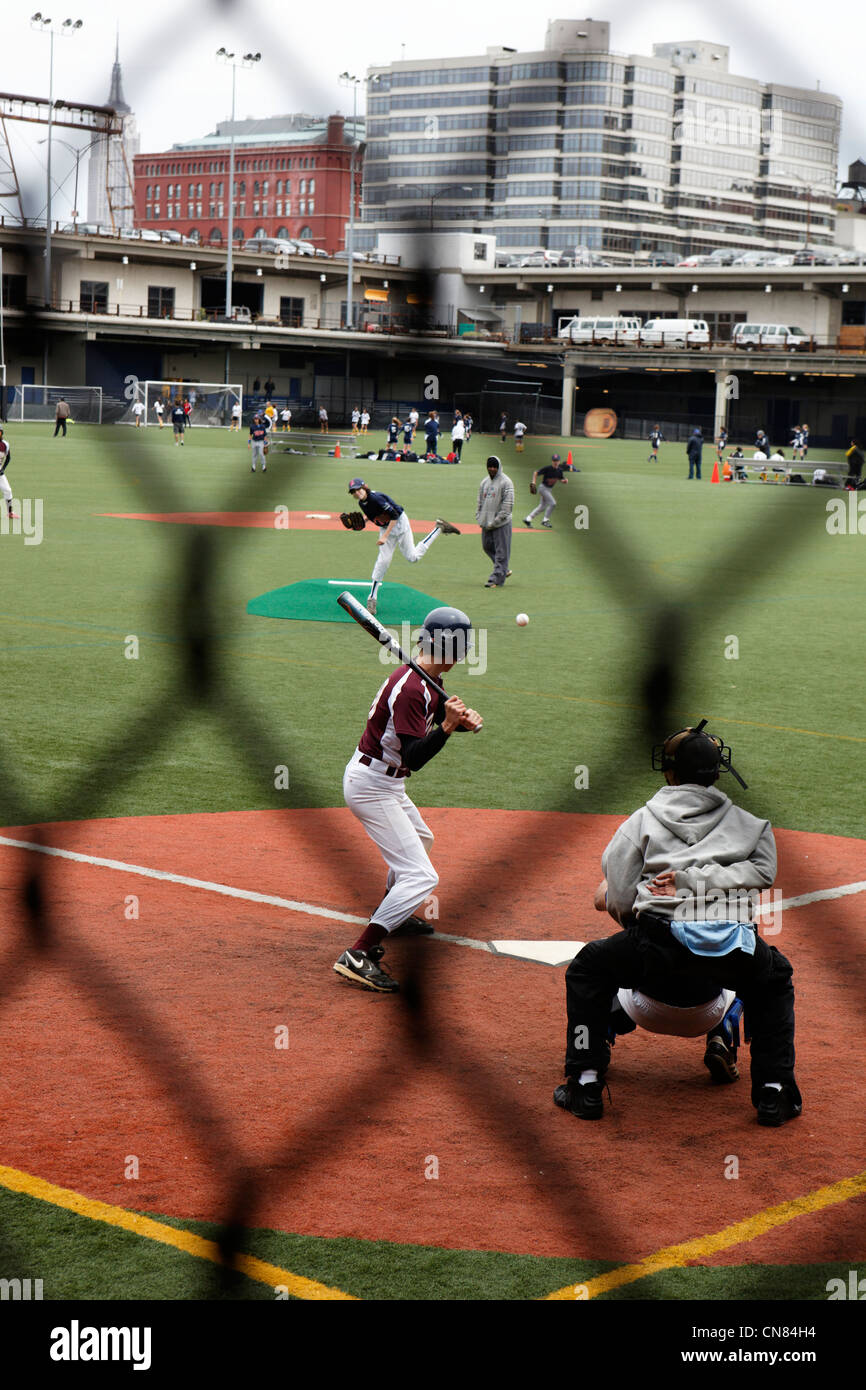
675, 333
170, 236
267, 245
240, 314
783, 259
813, 257
726, 255
784, 335
695, 261
584, 256
755, 258
642, 258
610, 329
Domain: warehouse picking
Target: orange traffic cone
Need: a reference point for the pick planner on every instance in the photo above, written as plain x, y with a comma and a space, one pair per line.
338, 455
570, 460
715, 478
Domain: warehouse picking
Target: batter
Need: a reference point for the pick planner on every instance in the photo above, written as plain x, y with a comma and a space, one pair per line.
408, 724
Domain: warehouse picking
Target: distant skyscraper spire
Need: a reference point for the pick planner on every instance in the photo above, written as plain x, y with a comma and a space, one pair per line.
115, 96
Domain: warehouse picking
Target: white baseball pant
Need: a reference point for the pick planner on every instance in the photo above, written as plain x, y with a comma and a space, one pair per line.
547, 503
401, 536
258, 452
396, 827
5, 489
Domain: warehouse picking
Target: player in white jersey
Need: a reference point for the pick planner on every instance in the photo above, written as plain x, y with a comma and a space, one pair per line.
408, 724
138, 411
5, 489
159, 410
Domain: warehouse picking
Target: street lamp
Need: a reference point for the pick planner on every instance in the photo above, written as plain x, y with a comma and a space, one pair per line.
449, 188
347, 79
78, 153
44, 23
246, 61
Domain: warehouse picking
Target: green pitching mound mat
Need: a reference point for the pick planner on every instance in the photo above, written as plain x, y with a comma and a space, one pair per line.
315, 600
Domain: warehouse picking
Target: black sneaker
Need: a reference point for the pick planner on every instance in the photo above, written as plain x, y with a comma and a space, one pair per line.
527, 522
446, 528
362, 968
584, 1100
413, 926
721, 1062
775, 1107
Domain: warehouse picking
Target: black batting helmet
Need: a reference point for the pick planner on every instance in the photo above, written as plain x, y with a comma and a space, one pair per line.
446, 635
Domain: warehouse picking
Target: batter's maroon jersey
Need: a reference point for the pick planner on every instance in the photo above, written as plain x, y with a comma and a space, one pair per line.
404, 706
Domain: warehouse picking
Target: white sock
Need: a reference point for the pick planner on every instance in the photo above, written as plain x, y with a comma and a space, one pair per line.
587, 1076
773, 1085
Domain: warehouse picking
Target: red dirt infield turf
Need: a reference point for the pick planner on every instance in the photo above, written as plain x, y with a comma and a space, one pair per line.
350, 1100
297, 521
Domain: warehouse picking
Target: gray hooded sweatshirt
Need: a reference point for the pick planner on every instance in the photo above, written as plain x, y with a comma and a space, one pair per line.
495, 500
722, 857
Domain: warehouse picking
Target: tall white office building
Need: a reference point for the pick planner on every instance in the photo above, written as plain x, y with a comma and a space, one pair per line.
109, 180
577, 145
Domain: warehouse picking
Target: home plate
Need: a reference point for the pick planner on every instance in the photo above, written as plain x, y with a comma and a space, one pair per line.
547, 952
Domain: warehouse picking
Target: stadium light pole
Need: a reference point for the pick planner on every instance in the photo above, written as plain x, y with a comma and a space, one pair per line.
347, 79
43, 23
246, 61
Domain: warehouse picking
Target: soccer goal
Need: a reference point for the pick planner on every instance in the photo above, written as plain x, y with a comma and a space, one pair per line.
211, 402
40, 403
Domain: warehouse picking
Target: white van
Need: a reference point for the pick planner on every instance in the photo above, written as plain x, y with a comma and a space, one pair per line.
676, 333
614, 329
784, 335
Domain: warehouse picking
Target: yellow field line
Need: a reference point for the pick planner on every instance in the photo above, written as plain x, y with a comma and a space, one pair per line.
186, 1241
675, 1256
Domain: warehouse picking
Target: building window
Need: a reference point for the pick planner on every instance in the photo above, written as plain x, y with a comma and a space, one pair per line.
312, 185
149, 211
215, 235
303, 187
194, 234
278, 208
160, 302
288, 209
149, 192
305, 234
93, 297
311, 207
265, 188
14, 291
282, 233
480, 251
302, 207
239, 234
259, 232
156, 209
291, 311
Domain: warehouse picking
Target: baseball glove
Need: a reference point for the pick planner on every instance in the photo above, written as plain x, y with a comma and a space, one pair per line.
353, 521
533, 489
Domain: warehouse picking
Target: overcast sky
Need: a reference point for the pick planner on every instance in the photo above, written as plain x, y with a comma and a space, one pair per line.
178, 90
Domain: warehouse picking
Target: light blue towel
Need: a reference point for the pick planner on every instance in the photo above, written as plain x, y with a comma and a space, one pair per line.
714, 938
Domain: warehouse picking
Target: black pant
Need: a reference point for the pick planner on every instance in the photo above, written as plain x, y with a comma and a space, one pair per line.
646, 956
58, 426
457, 445
431, 444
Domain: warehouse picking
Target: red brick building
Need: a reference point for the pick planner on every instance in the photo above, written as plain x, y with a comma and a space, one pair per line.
292, 177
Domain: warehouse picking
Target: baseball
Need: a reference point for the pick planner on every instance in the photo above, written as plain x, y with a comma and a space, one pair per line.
522, 619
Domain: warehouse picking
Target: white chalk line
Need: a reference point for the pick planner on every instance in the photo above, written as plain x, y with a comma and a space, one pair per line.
331, 914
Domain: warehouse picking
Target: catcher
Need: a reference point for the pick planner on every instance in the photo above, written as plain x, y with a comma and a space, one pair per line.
550, 475
679, 875
394, 530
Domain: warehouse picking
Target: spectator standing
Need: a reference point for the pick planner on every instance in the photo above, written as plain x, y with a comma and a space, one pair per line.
493, 514
323, 419
458, 434
61, 415
694, 449
432, 428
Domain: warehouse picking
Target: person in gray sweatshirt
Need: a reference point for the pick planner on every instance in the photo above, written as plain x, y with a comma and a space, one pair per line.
493, 514
682, 876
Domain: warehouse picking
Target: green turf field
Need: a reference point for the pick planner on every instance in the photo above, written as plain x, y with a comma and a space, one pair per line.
666, 569
751, 561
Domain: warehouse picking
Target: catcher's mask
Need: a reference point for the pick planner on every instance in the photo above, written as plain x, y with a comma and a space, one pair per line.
694, 756
446, 635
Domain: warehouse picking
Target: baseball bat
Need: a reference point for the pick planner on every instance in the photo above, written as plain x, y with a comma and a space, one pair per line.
364, 619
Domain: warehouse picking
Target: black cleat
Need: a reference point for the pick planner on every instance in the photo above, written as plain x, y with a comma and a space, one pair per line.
413, 926
721, 1062
584, 1101
527, 522
446, 528
775, 1107
362, 968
